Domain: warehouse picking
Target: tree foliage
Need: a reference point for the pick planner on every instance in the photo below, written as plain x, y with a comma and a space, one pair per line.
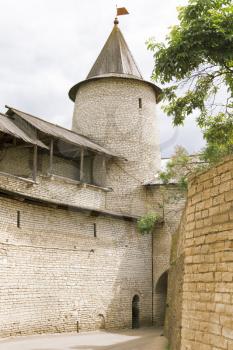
197, 62
179, 167
147, 223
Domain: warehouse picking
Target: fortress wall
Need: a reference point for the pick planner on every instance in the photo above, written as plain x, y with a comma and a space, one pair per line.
57, 189
207, 293
173, 319
172, 202
55, 273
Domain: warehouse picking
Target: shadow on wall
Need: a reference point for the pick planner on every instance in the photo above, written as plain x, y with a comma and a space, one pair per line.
130, 305
135, 312
161, 299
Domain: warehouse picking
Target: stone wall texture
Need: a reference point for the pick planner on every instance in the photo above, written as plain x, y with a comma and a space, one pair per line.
207, 293
165, 196
107, 111
55, 273
173, 321
62, 270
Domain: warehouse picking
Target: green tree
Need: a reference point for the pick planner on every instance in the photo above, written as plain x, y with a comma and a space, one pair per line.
179, 167
146, 223
196, 62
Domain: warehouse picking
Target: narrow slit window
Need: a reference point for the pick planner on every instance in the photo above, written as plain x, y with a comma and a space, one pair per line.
95, 230
18, 219
140, 103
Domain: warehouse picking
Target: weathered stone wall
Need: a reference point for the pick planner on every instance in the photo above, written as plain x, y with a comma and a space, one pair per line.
57, 189
107, 111
55, 273
172, 202
19, 161
208, 261
173, 320
16, 161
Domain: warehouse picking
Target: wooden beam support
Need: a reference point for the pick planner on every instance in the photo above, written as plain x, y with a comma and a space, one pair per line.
104, 168
81, 164
51, 157
34, 172
104, 163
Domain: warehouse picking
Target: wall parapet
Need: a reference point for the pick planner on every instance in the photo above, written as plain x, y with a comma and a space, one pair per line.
58, 189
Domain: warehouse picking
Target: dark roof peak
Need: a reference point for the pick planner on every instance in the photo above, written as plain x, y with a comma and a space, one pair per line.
115, 57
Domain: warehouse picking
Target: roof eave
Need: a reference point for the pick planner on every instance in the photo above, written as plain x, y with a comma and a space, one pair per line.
73, 91
105, 152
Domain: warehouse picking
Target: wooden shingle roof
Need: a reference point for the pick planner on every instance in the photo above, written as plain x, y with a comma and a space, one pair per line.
115, 57
58, 132
115, 60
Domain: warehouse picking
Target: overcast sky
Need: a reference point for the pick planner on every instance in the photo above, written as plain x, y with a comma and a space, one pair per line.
49, 45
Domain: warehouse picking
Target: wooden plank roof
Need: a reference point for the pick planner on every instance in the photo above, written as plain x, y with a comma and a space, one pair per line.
59, 132
115, 61
115, 57
8, 127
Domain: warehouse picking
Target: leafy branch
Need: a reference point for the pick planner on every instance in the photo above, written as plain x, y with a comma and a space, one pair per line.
196, 63
146, 223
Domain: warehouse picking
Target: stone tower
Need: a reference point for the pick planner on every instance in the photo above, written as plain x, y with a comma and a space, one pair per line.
116, 108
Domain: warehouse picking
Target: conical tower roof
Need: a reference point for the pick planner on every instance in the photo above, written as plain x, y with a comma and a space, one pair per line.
115, 60
115, 57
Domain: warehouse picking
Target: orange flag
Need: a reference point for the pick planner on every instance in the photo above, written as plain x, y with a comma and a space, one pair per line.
122, 11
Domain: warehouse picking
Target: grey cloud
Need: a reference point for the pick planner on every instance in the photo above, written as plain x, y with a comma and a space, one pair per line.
47, 46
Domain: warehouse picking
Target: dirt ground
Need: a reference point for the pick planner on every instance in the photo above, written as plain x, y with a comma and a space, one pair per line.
142, 339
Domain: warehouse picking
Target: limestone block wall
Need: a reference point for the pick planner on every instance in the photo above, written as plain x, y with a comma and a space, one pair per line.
207, 294
55, 272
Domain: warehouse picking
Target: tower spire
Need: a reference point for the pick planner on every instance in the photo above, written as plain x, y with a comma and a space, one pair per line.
114, 60
120, 11
116, 21
115, 57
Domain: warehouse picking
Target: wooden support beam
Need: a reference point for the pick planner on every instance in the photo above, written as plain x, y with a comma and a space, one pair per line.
104, 169
34, 172
104, 163
81, 164
51, 157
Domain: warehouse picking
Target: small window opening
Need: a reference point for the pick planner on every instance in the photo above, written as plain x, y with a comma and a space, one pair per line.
95, 230
18, 219
140, 103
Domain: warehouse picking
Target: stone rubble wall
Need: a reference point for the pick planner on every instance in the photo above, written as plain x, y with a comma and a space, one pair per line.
55, 273
19, 161
107, 111
174, 202
173, 319
57, 189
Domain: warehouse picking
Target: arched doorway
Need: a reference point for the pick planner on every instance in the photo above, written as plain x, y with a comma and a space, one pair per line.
135, 312
161, 299
100, 322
